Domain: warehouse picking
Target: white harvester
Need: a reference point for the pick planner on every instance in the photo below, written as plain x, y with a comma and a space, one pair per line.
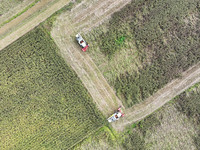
118, 114
82, 42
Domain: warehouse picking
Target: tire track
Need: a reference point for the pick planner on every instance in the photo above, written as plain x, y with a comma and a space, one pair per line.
86, 70
92, 77
167, 93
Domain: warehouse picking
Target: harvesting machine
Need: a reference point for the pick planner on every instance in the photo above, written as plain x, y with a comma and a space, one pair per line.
118, 114
82, 42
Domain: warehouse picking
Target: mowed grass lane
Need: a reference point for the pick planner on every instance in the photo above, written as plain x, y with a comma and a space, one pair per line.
43, 104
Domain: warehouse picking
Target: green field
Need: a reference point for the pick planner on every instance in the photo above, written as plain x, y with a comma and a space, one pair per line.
43, 104
174, 126
145, 45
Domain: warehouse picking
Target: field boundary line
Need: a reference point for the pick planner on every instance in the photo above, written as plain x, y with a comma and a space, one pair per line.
20, 13
160, 98
13, 36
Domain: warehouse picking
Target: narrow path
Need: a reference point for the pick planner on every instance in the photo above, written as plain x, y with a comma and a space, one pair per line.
103, 95
14, 10
32, 23
67, 25
22, 17
63, 33
92, 14
167, 93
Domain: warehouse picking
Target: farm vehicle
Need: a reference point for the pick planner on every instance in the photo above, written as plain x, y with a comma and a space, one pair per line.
114, 117
84, 45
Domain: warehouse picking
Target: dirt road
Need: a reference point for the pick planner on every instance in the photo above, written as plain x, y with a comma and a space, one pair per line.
177, 86
66, 27
13, 8
22, 17
83, 18
33, 22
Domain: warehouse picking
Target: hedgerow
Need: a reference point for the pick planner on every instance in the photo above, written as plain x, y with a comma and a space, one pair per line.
44, 105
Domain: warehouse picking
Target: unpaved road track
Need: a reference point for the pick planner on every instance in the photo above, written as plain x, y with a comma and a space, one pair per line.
91, 13
174, 88
13, 9
64, 31
22, 17
31, 23
83, 18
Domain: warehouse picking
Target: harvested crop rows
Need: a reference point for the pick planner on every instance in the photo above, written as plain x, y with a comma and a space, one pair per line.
10, 8
63, 33
142, 47
43, 103
174, 126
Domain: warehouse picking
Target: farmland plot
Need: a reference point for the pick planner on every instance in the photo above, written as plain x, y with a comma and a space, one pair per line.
145, 45
9, 8
44, 105
175, 126
6, 5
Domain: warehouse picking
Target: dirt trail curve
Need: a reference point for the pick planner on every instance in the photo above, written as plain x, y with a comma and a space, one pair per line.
56, 5
64, 31
82, 19
91, 13
174, 88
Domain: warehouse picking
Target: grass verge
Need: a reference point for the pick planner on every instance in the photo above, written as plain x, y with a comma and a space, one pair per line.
18, 14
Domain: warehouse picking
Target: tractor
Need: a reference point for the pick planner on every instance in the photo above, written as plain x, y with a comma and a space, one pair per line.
82, 42
118, 114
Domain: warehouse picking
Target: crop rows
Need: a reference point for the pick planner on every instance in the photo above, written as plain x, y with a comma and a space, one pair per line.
44, 105
161, 40
174, 126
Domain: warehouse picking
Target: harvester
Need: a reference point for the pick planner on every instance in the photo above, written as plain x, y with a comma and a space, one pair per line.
118, 114
82, 42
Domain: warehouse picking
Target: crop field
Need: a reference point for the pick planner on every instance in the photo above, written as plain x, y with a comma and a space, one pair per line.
10, 10
175, 126
43, 104
7, 5
145, 45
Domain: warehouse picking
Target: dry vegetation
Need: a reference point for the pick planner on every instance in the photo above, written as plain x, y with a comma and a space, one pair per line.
7, 5
175, 126
145, 45
10, 9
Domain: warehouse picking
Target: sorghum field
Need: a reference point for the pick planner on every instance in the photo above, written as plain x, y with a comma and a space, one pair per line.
145, 45
43, 104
